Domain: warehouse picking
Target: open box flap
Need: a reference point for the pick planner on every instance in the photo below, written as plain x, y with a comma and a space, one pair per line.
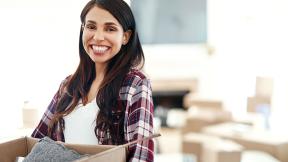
11, 149
22, 146
117, 153
30, 142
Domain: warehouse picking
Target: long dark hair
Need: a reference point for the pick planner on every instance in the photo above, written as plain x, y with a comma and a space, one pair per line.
110, 119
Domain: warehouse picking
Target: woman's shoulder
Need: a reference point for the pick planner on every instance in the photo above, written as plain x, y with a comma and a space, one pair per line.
135, 77
65, 80
64, 83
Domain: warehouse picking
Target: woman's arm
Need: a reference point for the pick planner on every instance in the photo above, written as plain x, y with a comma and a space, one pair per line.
42, 129
140, 122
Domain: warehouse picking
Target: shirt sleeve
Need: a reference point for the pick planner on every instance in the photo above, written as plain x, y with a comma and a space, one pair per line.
42, 128
140, 122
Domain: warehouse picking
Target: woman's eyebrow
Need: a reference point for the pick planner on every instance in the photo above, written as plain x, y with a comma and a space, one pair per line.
106, 23
111, 23
91, 21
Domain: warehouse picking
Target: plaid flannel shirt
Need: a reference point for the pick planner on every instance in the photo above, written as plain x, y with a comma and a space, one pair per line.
136, 93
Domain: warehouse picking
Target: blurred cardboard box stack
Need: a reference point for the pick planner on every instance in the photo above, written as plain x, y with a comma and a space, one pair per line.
222, 151
252, 139
192, 100
210, 129
264, 86
198, 118
252, 119
209, 148
261, 101
203, 112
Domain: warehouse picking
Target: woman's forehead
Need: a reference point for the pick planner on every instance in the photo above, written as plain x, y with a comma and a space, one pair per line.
100, 16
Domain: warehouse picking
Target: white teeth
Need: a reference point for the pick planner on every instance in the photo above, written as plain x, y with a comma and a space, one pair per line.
99, 49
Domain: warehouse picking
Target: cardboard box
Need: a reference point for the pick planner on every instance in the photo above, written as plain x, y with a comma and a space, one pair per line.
199, 118
259, 104
209, 148
252, 119
12, 149
170, 142
30, 116
222, 151
191, 100
192, 143
264, 87
274, 144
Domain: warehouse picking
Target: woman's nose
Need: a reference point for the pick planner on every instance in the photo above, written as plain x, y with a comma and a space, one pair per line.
98, 35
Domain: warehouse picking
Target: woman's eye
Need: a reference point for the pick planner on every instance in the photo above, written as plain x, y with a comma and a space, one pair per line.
110, 29
89, 26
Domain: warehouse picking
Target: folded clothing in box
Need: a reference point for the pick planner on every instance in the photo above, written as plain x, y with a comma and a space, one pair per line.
48, 150
24, 146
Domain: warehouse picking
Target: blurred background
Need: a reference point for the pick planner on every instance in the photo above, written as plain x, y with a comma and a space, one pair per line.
217, 70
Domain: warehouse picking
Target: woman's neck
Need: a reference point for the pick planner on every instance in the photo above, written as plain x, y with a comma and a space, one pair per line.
100, 73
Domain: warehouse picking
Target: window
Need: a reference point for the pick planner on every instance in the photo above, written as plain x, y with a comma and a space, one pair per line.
171, 21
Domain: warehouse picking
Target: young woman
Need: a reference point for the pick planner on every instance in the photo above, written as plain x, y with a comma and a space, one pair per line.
108, 100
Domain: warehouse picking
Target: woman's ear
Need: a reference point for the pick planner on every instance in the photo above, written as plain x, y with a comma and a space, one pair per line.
82, 27
126, 37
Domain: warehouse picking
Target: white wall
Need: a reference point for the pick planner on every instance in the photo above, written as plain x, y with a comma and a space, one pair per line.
39, 47
249, 39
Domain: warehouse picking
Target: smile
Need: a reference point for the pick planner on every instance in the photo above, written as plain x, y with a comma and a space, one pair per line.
99, 49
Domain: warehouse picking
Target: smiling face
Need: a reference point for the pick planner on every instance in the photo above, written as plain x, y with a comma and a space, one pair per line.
103, 36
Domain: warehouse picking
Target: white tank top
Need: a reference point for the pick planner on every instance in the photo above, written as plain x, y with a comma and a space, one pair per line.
80, 124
